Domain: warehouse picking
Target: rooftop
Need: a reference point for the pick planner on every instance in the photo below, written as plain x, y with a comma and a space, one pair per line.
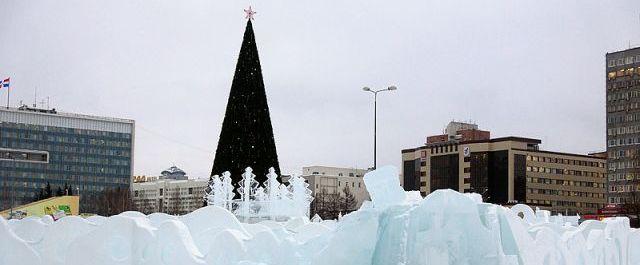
53, 112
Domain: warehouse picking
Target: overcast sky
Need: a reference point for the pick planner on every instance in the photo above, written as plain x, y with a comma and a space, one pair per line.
522, 68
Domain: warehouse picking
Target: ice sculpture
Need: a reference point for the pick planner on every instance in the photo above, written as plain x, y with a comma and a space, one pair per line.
272, 185
260, 194
300, 195
216, 195
384, 191
446, 227
272, 201
227, 190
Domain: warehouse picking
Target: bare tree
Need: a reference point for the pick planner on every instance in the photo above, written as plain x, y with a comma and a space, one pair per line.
326, 205
111, 201
348, 203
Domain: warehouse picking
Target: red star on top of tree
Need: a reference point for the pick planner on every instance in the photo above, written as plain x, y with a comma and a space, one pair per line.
249, 13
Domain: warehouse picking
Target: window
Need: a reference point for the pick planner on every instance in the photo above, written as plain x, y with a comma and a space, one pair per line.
620, 61
190, 190
629, 60
612, 63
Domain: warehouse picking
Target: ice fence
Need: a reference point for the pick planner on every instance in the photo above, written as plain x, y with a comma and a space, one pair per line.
397, 227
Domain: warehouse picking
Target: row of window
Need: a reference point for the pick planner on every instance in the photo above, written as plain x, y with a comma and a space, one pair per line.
624, 129
565, 161
623, 118
340, 174
624, 61
625, 95
566, 193
622, 84
54, 129
565, 182
441, 149
619, 200
613, 166
24, 136
66, 148
623, 188
616, 154
40, 177
623, 107
622, 142
566, 204
623, 72
562, 171
623, 176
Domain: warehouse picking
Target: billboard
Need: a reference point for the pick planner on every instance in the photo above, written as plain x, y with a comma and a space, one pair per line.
55, 206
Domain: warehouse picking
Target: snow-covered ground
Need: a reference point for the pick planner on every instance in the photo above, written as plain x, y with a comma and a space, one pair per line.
446, 227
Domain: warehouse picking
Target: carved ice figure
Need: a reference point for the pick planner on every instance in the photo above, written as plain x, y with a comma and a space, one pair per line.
216, 195
272, 190
283, 205
247, 190
301, 195
272, 185
247, 185
227, 190
260, 194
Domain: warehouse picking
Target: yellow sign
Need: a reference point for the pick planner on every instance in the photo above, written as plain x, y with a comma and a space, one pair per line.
55, 206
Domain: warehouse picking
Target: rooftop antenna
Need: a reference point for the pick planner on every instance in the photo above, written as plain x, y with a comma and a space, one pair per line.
35, 97
43, 102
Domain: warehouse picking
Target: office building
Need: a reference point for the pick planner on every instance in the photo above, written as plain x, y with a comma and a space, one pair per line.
507, 170
623, 125
39, 146
168, 195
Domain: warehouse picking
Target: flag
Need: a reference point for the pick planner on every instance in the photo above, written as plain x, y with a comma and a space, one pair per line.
4, 83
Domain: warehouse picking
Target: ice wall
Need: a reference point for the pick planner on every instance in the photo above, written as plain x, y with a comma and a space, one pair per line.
446, 227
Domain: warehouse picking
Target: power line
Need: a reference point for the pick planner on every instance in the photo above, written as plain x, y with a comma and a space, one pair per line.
167, 138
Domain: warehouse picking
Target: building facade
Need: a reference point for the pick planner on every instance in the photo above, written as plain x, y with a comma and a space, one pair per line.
335, 181
169, 196
508, 170
623, 125
91, 154
172, 192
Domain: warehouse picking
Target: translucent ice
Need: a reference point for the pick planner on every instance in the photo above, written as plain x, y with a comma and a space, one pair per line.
446, 227
383, 186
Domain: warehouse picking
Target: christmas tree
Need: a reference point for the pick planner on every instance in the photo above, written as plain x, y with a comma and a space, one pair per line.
246, 138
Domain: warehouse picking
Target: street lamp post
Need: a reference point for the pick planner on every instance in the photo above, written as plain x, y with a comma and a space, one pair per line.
375, 118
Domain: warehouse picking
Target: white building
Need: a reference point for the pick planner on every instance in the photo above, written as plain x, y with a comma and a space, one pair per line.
334, 180
169, 195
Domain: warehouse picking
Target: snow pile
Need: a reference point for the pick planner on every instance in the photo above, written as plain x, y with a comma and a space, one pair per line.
396, 228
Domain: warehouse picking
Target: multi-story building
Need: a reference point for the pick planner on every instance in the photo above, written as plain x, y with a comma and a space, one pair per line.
168, 195
89, 153
328, 181
623, 125
508, 170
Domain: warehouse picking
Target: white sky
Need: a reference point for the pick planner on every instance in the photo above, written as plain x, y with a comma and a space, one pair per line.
523, 68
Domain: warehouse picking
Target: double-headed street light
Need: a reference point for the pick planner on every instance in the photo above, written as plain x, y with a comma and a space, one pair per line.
375, 106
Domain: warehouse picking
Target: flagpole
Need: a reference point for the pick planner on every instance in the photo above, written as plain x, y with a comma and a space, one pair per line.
8, 93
